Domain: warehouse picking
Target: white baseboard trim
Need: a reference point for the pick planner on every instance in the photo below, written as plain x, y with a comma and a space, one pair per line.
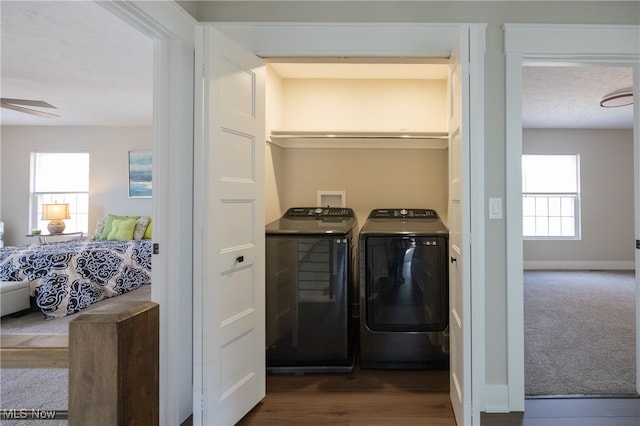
581, 265
496, 399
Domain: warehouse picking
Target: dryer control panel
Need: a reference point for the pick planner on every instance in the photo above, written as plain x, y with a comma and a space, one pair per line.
403, 214
318, 212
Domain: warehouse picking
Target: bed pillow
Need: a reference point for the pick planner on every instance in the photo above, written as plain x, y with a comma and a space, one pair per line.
147, 233
108, 224
141, 227
122, 229
99, 228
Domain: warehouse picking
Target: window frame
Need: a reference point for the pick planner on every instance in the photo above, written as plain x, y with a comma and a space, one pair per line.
577, 208
79, 221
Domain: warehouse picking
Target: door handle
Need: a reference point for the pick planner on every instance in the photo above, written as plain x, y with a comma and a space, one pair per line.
453, 259
239, 259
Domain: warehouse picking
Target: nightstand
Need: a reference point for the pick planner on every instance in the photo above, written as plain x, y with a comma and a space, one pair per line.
42, 238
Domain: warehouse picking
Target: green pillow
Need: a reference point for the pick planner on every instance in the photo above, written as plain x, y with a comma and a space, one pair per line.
107, 225
147, 233
141, 227
122, 229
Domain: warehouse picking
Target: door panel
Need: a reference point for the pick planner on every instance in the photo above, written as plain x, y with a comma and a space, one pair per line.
232, 337
459, 230
237, 165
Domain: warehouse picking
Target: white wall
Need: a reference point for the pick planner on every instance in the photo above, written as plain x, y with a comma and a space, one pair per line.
606, 187
108, 149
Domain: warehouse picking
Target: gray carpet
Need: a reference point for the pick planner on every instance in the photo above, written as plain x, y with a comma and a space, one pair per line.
44, 389
580, 332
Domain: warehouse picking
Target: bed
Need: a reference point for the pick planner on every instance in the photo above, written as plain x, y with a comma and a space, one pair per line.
66, 277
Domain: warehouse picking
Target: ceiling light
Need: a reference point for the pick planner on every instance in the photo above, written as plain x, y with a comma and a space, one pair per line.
618, 98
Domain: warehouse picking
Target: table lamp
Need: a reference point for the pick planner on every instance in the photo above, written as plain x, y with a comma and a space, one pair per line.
55, 213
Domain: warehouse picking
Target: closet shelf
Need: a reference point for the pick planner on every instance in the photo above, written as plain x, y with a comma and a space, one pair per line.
358, 139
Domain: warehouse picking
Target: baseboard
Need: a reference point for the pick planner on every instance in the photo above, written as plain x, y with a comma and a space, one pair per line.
581, 265
496, 399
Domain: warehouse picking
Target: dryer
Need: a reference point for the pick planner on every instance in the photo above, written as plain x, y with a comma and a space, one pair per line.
404, 290
311, 291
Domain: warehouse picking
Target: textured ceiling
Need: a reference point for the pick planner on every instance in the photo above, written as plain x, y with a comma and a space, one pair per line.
77, 56
569, 97
97, 70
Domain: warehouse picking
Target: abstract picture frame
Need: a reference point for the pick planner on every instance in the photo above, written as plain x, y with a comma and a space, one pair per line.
140, 174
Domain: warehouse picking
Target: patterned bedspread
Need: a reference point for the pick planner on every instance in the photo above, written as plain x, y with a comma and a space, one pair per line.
66, 277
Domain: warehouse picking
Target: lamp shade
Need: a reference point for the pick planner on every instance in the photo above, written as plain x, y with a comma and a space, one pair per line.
55, 211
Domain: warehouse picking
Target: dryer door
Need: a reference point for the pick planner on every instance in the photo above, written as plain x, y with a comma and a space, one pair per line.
406, 284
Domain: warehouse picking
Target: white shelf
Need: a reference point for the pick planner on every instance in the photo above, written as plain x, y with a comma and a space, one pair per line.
357, 139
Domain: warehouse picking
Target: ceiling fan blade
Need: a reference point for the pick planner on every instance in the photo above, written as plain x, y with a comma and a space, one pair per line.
28, 110
26, 102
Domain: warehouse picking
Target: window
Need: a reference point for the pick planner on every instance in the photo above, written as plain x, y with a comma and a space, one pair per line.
60, 178
551, 196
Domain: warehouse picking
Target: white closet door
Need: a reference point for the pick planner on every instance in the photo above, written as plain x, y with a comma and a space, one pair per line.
229, 337
459, 230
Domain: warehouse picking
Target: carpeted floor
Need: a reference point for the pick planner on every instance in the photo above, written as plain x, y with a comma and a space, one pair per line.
580, 332
44, 389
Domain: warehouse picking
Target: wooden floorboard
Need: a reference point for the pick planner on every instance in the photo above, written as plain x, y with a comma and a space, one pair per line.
364, 397
34, 350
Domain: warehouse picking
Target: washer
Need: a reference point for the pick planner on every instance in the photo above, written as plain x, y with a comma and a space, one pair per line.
404, 290
311, 291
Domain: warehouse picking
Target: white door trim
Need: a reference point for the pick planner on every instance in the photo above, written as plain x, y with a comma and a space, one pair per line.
578, 44
331, 39
476, 257
173, 31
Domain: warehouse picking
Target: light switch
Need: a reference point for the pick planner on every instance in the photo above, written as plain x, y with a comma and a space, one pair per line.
495, 208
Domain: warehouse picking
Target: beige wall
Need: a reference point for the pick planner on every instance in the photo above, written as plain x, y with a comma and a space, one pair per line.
372, 178
108, 149
273, 157
371, 105
606, 187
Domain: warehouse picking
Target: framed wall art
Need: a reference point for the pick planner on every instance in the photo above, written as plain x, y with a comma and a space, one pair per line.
140, 174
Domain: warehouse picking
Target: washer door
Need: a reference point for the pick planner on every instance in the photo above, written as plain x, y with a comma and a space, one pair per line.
307, 301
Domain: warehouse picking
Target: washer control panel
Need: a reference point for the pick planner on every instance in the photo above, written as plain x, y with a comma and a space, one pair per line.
319, 212
403, 214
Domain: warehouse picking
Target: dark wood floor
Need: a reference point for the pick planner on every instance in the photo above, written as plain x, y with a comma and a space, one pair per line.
402, 398
364, 397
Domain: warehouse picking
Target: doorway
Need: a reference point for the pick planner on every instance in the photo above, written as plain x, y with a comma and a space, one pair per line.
173, 34
521, 51
368, 35
568, 349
